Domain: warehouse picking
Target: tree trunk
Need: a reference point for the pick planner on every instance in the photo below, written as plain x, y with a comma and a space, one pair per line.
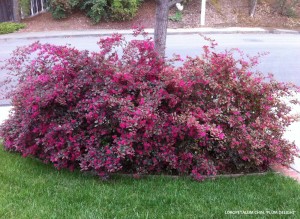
16, 11
161, 24
253, 7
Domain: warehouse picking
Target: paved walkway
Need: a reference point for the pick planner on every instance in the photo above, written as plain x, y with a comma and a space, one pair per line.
4, 112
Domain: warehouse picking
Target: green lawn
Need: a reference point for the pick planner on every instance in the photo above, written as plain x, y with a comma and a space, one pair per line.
30, 189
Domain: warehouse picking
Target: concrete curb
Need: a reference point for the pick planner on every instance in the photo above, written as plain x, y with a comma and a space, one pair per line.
136, 176
288, 172
108, 32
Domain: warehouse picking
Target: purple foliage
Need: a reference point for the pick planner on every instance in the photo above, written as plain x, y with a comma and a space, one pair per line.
134, 112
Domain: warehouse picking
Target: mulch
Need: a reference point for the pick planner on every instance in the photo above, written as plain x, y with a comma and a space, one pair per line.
225, 13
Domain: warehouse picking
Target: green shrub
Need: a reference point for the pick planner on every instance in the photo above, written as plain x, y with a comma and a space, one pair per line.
110, 9
96, 9
25, 7
58, 12
290, 12
9, 27
177, 17
62, 8
287, 7
124, 9
75, 3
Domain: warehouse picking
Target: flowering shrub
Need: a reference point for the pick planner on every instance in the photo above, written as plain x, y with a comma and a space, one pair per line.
125, 109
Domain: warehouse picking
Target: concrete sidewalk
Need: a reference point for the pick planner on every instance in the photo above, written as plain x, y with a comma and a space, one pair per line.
108, 32
4, 112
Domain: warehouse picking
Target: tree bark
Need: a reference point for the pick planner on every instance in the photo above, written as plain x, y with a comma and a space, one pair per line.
16, 11
161, 25
252, 7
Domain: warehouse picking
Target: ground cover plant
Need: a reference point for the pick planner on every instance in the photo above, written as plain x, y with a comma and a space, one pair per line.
31, 189
10, 27
125, 109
